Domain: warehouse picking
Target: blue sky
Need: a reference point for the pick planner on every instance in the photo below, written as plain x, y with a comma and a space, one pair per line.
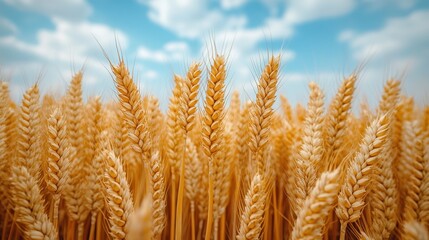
320, 41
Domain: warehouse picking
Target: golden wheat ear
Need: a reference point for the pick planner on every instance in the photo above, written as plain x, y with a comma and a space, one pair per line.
253, 214
351, 199
212, 138
262, 112
29, 205
118, 197
317, 207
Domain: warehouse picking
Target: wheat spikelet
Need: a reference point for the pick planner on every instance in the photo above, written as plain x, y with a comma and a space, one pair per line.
73, 110
132, 107
262, 112
72, 192
337, 116
118, 196
28, 204
59, 153
174, 132
190, 89
317, 207
390, 96
383, 198
424, 194
186, 121
311, 150
253, 213
351, 199
193, 170
28, 149
415, 169
212, 133
94, 162
155, 118
58, 159
158, 196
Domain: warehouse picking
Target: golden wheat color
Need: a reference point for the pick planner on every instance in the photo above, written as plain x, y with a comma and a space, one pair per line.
77, 167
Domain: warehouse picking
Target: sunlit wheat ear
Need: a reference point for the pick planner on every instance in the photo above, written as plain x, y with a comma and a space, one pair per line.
155, 118
28, 148
59, 153
132, 107
253, 212
73, 110
314, 214
158, 196
118, 197
191, 86
97, 140
262, 112
390, 96
212, 134
311, 148
351, 199
415, 167
29, 205
415, 231
174, 132
337, 116
186, 122
424, 195
59, 157
193, 170
383, 203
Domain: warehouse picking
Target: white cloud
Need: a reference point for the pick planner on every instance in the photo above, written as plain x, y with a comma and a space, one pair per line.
150, 74
299, 11
402, 4
7, 26
230, 4
399, 47
59, 52
194, 19
76, 40
65, 9
172, 51
190, 18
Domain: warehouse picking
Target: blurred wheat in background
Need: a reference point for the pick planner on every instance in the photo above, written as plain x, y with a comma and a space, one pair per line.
210, 169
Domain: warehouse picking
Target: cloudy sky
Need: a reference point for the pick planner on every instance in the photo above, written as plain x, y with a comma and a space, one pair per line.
319, 41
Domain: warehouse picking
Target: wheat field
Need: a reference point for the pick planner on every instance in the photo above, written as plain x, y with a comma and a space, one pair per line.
208, 168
